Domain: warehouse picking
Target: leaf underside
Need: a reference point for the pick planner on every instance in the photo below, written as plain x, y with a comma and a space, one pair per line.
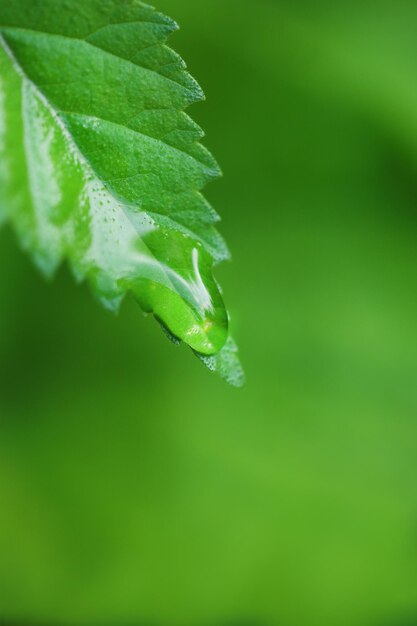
100, 165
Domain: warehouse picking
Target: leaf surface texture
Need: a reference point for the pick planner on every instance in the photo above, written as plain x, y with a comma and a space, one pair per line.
102, 167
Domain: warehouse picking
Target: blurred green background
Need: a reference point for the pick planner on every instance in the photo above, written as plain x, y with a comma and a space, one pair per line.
138, 489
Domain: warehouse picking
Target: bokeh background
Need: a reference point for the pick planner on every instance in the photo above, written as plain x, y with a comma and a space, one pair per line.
138, 489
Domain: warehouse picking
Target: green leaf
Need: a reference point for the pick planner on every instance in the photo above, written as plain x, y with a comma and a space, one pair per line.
101, 166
